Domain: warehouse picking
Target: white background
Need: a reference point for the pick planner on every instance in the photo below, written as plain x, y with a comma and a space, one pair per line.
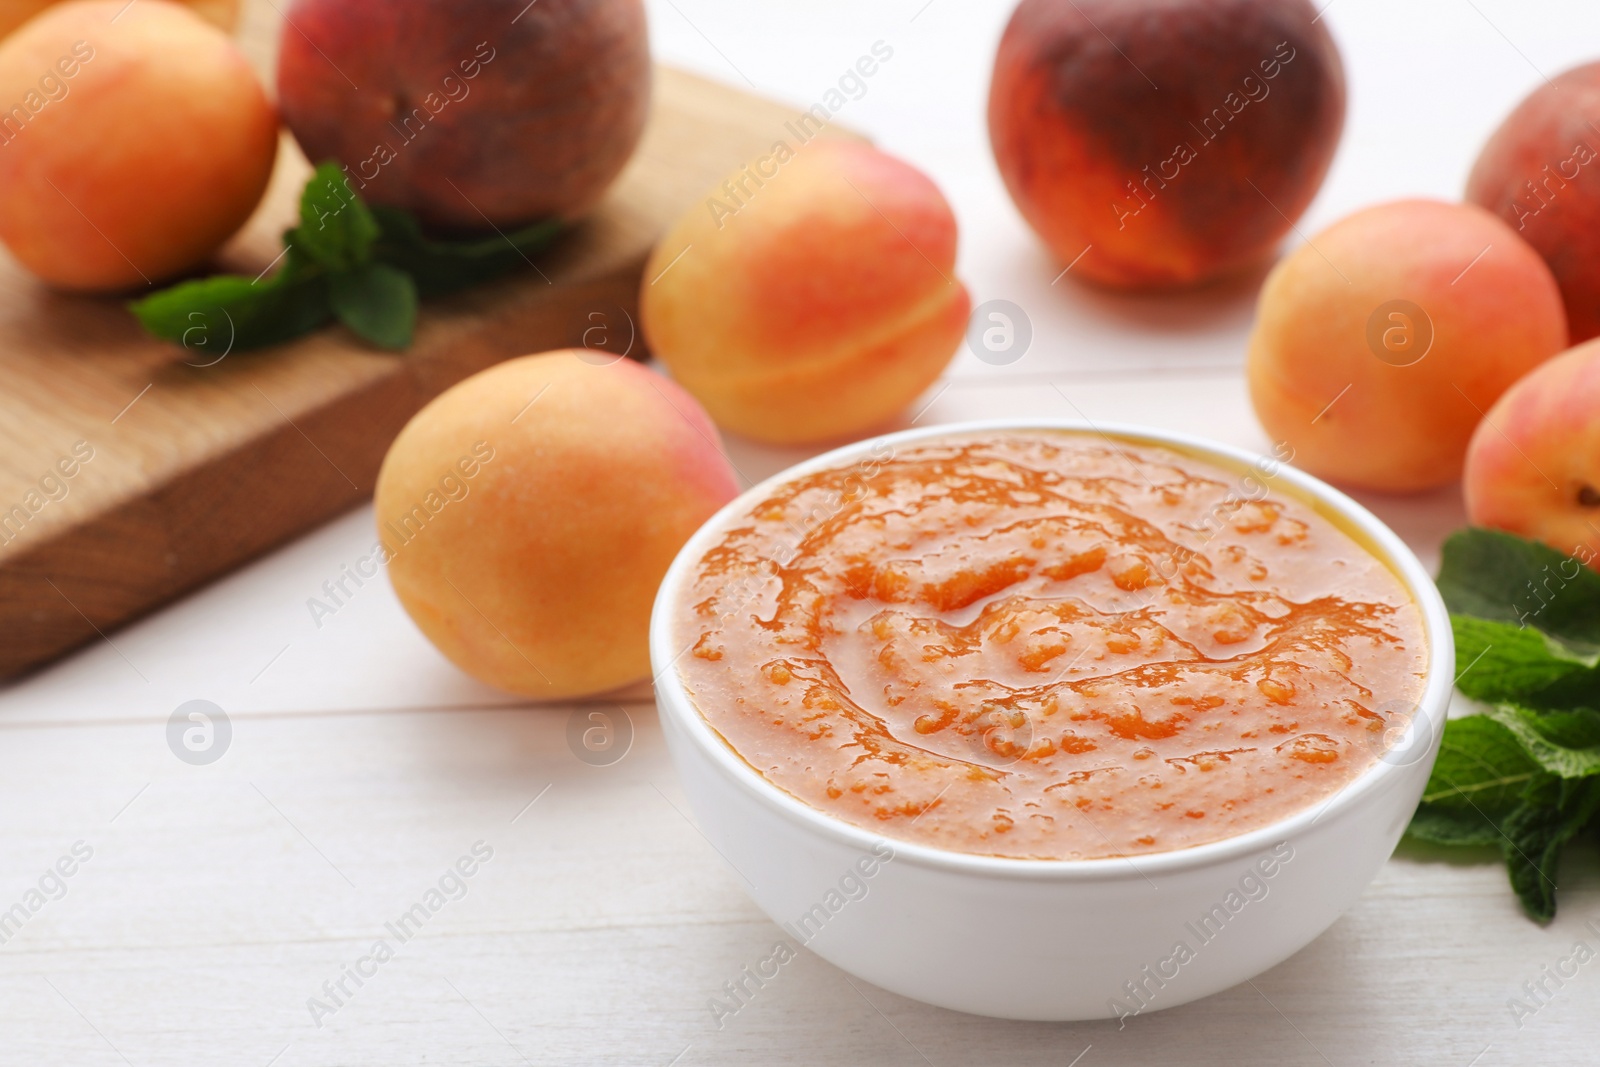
220, 898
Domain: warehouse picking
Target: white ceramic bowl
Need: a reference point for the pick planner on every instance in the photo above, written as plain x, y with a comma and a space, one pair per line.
1055, 939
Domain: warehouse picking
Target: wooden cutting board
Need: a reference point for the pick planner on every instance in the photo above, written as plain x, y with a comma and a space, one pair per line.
193, 469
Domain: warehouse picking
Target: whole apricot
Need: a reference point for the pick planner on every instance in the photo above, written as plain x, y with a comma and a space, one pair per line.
470, 114
223, 14
1380, 342
119, 164
528, 513
1162, 142
811, 296
1540, 171
1533, 467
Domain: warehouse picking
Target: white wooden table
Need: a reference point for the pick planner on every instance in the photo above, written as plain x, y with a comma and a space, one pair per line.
219, 899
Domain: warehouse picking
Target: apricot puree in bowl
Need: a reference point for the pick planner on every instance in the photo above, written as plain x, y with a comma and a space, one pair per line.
1046, 644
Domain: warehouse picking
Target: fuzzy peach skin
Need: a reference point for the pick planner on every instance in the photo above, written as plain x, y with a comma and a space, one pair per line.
1533, 467
812, 296
1317, 381
156, 147
471, 114
528, 513
1540, 171
223, 14
1157, 143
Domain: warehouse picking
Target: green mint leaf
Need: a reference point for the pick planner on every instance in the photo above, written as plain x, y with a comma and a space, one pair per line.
336, 228
1578, 728
377, 302
1493, 575
1479, 781
366, 266
1565, 743
1553, 811
1504, 661
1526, 772
230, 313
1452, 826
440, 266
1481, 767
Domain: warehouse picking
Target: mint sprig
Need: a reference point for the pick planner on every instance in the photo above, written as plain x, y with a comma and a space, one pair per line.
1503, 661
1524, 774
365, 266
1490, 574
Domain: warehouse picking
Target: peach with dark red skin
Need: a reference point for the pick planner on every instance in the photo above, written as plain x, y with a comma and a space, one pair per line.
1540, 171
1164, 141
529, 513
820, 307
1533, 467
471, 114
1384, 396
133, 166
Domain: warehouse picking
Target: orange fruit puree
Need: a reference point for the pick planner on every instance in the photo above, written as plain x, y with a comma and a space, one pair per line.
1047, 644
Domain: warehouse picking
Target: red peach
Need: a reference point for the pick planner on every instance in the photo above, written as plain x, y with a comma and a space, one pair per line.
471, 114
1164, 141
1540, 171
1533, 467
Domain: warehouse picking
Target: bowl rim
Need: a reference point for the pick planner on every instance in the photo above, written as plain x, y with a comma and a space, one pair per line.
674, 701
